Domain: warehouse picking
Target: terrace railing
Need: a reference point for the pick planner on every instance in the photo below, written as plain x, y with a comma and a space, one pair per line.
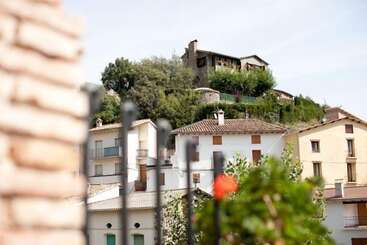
355, 221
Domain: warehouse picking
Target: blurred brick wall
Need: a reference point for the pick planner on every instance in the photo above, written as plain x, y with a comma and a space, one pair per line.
42, 115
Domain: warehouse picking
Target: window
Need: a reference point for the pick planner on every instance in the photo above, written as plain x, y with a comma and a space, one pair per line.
138, 239
256, 156
315, 144
98, 170
317, 169
111, 239
195, 157
200, 62
350, 143
143, 172
117, 168
349, 128
196, 178
98, 148
216, 157
255, 139
162, 179
351, 172
195, 139
217, 140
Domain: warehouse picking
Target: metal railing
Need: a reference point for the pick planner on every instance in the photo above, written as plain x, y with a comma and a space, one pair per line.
100, 153
128, 115
355, 221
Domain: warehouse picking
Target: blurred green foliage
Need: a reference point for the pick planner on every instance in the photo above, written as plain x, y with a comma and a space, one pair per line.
269, 208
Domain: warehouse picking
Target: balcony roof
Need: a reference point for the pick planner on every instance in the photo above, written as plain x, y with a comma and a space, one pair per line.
351, 193
118, 125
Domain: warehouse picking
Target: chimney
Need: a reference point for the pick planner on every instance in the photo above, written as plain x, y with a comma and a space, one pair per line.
99, 122
220, 117
192, 52
339, 188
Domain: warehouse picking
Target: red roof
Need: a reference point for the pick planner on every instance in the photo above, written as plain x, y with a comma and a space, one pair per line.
231, 126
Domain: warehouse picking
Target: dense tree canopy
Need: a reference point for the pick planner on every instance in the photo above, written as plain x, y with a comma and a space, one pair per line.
254, 82
161, 88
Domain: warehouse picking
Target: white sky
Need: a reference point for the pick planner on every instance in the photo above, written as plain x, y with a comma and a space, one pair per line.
316, 48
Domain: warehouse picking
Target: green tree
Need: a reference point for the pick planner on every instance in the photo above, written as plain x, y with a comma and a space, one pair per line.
268, 208
161, 88
119, 76
110, 109
254, 82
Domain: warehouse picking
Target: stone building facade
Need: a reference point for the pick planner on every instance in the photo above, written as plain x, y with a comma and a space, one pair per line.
42, 122
202, 61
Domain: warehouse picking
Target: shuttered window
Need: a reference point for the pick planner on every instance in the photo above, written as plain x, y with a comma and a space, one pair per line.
255, 139
143, 172
162, 179
349, 128
195, 157
317, 169
217, 140
196, 178
256, 156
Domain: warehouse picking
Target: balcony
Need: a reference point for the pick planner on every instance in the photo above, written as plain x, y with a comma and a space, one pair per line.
141, 153
107, 152
355, 221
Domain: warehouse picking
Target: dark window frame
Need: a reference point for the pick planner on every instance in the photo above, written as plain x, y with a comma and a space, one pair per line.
349, 129
316, 143
317, 168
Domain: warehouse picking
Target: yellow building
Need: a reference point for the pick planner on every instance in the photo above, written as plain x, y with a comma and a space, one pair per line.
335, 149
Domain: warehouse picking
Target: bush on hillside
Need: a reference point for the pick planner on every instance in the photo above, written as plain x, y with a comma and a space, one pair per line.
254, 82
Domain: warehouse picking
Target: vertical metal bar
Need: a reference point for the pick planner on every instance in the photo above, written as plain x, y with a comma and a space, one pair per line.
163, 130
94, 96
190, 149
218, 169
128, 115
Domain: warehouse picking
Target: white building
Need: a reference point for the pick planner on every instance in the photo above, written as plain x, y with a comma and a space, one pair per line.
106, 149
105, 207
346, 214
251, 138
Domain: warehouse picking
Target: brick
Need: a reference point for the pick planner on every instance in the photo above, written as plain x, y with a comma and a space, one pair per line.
5, 220
19, 60
50, 96
8, 25
4, 146
6, 85
44, 154
30, 182
30, 212
41, 237
48, 41
43, 14
28, 120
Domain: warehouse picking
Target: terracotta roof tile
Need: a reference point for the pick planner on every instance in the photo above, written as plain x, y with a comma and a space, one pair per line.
231, 126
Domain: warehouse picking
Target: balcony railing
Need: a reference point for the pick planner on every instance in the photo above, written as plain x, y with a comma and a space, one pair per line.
355, 221
141, 153
100, 153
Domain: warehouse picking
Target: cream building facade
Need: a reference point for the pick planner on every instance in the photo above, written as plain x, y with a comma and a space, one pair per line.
335, 150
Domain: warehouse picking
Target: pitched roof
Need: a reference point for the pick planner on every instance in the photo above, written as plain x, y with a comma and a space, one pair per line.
118, 125
231, 126
256, 57
331, 122
282, 92
340, 110
350, 193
